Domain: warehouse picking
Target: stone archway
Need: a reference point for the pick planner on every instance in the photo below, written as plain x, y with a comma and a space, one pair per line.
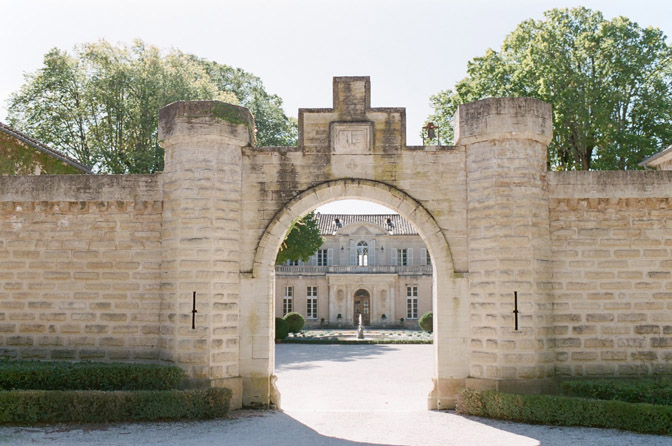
450, 369
481, 207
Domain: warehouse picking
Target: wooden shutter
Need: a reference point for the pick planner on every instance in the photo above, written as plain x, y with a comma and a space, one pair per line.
372, 253
409, 257
423, 256
353, 253
330, 257
393, 257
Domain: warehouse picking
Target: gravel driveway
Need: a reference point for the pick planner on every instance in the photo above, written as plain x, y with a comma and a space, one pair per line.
338, 395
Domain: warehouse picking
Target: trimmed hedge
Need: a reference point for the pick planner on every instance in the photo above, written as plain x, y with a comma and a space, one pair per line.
36, 375
295, 321
426, 322
281, 329
567, 411
40, 406
652, 391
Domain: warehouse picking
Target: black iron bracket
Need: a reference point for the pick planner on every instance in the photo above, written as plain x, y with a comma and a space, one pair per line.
193, 314
515, 309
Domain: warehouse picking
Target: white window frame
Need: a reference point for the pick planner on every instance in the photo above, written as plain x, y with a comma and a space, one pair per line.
402, 257
411, 302
362, 253
288, 300
322, 257
311, 302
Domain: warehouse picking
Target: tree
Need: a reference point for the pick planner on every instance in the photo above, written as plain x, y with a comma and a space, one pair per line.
274, 128
101, 104
609, 83
302, 241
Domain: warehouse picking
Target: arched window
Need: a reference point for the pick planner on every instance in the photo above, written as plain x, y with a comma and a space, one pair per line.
362, 254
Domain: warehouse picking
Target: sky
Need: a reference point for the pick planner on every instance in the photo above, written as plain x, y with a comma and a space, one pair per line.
410, 49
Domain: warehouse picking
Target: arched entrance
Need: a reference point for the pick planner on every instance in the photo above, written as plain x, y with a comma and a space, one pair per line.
449, 304
362, 307
481, 207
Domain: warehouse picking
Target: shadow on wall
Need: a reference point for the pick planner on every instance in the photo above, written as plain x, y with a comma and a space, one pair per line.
304, 358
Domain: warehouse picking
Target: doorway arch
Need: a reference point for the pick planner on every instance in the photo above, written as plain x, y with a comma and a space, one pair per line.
362, 306
448, 299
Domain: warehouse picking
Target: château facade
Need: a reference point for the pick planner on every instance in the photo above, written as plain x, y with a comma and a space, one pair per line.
373, 265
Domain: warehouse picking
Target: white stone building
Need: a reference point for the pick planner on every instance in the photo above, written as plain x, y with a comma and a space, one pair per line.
373, 265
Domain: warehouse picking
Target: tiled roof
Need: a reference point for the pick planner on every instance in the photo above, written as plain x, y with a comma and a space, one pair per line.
400, 226
43, 148
651, 159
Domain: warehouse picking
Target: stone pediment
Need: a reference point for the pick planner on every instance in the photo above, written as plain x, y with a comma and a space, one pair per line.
362, 229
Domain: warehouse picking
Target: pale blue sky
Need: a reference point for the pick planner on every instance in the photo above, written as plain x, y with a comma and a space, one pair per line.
411, 49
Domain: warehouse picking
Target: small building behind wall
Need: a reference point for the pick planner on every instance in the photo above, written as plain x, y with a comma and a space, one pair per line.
661, 160
22, 155
374, 265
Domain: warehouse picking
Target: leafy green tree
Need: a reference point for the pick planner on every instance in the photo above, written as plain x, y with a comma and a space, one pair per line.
302, 241
100, 105
609, 82
274, 128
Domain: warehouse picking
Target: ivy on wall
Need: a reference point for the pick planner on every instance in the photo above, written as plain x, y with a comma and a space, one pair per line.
18, 158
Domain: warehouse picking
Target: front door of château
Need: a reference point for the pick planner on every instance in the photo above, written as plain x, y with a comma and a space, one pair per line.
362, 306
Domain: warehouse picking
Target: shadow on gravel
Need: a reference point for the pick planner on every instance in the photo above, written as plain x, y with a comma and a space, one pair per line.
243, 428
302, 355
564, 435
298, 433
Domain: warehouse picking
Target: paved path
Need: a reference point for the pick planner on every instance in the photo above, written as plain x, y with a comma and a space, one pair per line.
337, 395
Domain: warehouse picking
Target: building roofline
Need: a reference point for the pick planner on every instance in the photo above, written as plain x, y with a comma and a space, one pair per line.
32, 142
647, 162
400, 226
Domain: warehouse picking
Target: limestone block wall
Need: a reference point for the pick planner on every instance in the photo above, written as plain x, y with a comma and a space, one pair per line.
611, 235
200, 249
80, 267
104, 267
509, 250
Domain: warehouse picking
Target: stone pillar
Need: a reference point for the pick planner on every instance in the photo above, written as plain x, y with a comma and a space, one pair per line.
506, 143
201, 238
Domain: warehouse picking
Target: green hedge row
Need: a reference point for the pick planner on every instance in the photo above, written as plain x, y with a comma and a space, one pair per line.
567, 411
36, 375
40, 406
652, 391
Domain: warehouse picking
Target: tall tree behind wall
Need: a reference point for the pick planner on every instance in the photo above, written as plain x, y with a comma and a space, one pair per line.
101, 104
303, 239
609, 82
274, 128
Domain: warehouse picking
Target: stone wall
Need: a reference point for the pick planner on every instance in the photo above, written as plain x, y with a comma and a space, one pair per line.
611, 235
80, 267
104, 267
509, 249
